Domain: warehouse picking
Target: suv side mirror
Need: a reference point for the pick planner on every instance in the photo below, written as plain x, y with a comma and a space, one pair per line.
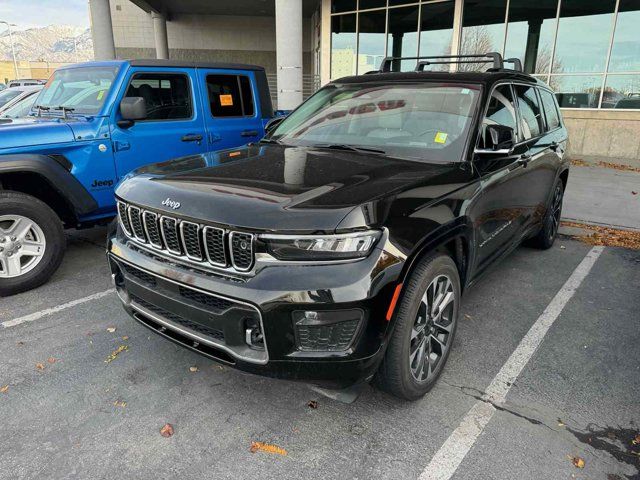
131, 109
272, 124
499, 140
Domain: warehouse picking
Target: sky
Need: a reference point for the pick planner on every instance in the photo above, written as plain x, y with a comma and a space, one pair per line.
40, 13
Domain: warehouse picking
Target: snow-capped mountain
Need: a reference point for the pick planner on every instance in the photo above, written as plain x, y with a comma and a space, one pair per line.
54, 43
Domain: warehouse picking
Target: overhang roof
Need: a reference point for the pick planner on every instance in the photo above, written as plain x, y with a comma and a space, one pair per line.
258, 8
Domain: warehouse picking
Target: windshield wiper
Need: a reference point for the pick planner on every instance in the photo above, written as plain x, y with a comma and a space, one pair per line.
40, 108
351, 148
65, 110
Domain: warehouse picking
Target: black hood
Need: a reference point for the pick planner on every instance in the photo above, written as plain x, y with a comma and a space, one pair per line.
273, 187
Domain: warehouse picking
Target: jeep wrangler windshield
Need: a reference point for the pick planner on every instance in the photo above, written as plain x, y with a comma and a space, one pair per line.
80, 90
415, 121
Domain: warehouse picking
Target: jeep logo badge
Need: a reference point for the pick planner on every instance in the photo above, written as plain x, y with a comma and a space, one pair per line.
171, 203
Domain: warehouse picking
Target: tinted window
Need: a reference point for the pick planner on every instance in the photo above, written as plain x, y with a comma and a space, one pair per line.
530, 112
550, 110
230, 95
167, 95
501, 110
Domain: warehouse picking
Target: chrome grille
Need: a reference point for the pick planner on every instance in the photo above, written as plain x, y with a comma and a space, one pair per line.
191, 239
242, 250
136, 224
124, 218
181, 238
150, 222
169, 228
214, 246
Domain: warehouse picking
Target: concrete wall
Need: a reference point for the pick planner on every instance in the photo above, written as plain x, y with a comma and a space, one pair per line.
243, 39
609, 135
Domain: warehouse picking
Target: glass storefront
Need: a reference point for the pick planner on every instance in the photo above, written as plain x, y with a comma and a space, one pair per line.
587, 50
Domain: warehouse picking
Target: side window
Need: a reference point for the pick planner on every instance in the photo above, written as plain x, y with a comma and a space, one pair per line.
530, 112
167, 95
550, 110
230, 95
501, 111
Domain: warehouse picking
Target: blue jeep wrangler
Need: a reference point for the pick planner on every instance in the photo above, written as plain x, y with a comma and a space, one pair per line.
91, 125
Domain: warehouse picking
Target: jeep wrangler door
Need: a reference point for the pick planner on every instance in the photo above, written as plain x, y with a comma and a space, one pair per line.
173, 125
230, 108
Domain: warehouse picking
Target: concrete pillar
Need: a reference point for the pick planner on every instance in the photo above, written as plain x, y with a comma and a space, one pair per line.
101, 30
289, 53
533, 42
160, 35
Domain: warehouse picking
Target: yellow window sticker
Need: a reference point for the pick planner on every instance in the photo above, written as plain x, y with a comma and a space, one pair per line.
226, 100
100, 95
441, 137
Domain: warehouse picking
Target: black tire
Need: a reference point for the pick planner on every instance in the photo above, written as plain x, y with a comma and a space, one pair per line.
16, 203
545, 238
396, 375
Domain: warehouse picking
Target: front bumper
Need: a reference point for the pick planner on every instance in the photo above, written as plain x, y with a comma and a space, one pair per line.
208, 312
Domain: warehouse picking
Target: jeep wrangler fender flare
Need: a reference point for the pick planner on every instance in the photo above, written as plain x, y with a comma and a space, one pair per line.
58, 177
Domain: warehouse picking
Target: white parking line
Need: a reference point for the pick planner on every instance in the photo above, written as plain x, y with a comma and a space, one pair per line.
58, 308
448, 458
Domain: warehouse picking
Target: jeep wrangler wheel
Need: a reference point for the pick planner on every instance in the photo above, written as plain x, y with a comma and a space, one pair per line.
425, 325
32, 242
547, 235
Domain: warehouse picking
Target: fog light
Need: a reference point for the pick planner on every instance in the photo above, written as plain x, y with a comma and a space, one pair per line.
326, 330
253, 334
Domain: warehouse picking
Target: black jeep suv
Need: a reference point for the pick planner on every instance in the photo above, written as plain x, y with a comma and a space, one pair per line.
336, 250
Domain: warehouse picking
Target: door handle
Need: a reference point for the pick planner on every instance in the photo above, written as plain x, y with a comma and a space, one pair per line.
191, 138
249, 133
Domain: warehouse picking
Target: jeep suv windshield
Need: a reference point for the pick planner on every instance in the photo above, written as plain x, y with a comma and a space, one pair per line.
82, 89
426, 121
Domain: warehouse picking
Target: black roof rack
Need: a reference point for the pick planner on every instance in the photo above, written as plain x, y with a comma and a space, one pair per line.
491, 57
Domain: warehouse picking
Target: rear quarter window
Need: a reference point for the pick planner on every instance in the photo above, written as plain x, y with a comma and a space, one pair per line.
551, 113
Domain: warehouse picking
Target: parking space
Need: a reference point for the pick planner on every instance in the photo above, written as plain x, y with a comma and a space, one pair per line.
82, 417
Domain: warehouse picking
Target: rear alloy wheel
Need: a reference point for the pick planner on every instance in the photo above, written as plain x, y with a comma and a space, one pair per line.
32, 242
424, 328
547, 235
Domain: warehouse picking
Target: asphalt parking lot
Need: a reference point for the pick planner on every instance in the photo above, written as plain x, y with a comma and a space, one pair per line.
578, 396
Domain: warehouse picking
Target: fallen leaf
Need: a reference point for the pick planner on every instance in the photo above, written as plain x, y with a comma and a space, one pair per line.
577, 462
617, 166
562, 247
636, 441
111, 329
468, 316
126, 337
633, 193
193, 369
167, 430
115, 353
606, 236
560, 423
4, 389
40, 366
119, 403
20, 343
312, 404
51, 360
266, 447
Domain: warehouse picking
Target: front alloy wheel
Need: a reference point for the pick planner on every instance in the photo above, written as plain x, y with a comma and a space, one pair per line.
22, 245
431, 332
424, 327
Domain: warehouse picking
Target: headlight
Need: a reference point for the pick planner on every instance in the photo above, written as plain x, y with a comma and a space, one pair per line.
321, 247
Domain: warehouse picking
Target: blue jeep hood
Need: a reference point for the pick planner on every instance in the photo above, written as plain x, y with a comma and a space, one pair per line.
32, 131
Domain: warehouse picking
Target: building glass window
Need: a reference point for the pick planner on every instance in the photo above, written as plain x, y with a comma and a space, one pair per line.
371, 40
625, 54
622, 91
584, 31
483, 29
530, 112
436, 30
338, 6
364, 4
343, 45
402, 39
530, 33
577, 91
